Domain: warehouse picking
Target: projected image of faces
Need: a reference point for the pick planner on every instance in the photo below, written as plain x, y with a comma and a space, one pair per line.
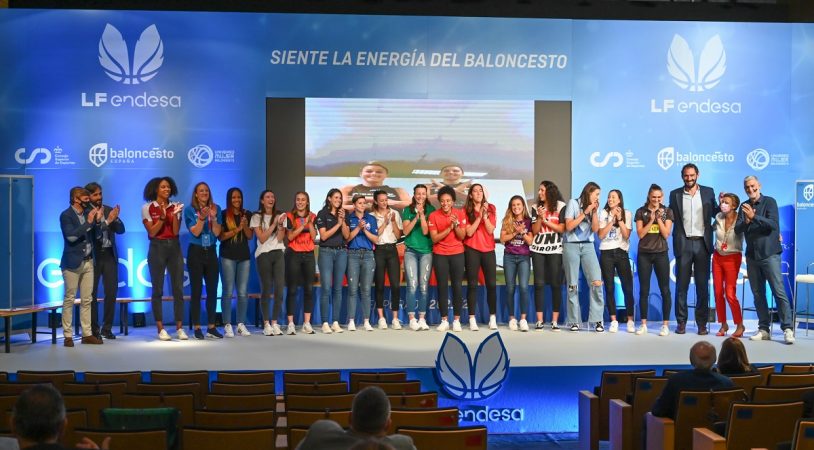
365, 145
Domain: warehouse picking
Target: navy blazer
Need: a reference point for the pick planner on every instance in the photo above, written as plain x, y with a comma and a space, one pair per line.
113, 228
762, 234
75, 235
710, 205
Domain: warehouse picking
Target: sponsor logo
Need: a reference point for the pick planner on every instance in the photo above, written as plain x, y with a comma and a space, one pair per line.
130, 68
483, 414
101, 154
668, 156
203, 155
617, 158
696, 76
21, 159
808, 192
759, 159
466, 379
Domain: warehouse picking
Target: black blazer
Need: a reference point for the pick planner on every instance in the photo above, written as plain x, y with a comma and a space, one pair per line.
710, 206
75, 235
113, 228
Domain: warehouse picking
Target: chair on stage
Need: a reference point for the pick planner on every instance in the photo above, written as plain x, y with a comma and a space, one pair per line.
219, 387
695, 410
461, 438
331, 376
339, 387
806, 279
356, 377
115, 389
394, 387
626, 417
264, 376
435, 417
752, 425
57, 377
241, 402
219, 439
791, 379
131, 378
235, 419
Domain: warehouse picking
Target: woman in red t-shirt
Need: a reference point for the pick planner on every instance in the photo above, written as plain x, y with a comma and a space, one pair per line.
300, 265
447, 227
479, 253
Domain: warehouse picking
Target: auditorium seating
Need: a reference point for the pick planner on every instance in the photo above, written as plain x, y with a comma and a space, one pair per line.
752, 425
337, 387
208, 439
790, 379
57, 378
462, 438
767, 394
394, 387
265, 376
131, 378
312, 377
124, 440
803, 435
356, 377
220, 387
798, 368
747, 382
626, 417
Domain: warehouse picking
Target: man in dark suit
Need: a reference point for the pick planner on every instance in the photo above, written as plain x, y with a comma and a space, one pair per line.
701, 378
77, 263
105, 262
694, 207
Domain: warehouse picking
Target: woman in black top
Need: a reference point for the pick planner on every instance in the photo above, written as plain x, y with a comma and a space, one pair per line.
235, 260
332, 260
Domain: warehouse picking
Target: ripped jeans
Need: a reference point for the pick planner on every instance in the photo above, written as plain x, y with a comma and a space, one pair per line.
574, 255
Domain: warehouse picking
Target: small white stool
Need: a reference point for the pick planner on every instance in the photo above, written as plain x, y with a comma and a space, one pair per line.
808, 280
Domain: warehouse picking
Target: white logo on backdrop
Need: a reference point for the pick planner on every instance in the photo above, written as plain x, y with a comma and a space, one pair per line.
758, 159
114, 56
98, 154
616, 156
200, 156
808, 192
666, 157
46, 156
711, 64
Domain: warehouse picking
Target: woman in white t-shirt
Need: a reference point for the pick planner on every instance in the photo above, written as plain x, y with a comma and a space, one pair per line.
269, 226
389, 224
615, 223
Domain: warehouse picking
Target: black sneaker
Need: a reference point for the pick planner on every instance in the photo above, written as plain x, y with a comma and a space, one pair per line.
213, 333
574, 327
199, 334
599, 328
107, 334
539, 325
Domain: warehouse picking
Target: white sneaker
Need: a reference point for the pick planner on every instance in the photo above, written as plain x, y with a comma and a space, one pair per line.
665, 330
631, 326
369, 327
642, 330
336, 328
444, 326
163, 335
513, 324
307, 328
268, 330
291, 329
276, 331
524, 325
326, 329
351, 325
414, 325
382, 323
473, 324
761, 335
181, 334
456, 326
788, 336
396, 324
227, 331
614, 326
422, 324
242, 330
492, 322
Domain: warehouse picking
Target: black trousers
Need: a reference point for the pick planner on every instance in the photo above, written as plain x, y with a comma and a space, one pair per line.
613, 262
203, 266
165, 254
271, 271
647, 262
105, 266
387, 262
476, 260
300, 268
548, 270
449, 269
693, 262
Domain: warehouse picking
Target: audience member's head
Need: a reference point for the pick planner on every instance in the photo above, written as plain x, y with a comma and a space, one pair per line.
372, 443
38, 416
702, 356
732, 359
370, 413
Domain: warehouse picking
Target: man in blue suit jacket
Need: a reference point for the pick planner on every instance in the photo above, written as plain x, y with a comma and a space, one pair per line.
694, 206
77, 263
105, 262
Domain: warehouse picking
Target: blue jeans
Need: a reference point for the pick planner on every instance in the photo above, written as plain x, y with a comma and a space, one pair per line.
332, 264
417, 269
232, 270
361, 265
517, 266
761, 271
574, 255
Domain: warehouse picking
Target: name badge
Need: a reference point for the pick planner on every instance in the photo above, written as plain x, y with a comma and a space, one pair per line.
206, 239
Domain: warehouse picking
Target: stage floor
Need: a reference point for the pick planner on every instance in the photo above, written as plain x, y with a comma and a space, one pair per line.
380, 349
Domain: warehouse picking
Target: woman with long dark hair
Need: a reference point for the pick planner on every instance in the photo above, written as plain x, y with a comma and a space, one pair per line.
162, 220
202, 219
447, 227
581, 222
299, 260
479, 253
546, 251
654, 222
388, 222
515, 234
417, 256
332, 260
732, 359
269, 226
235, 261
615, 223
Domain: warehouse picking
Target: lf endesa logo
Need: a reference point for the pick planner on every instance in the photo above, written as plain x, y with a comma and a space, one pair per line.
120, 66
695, 76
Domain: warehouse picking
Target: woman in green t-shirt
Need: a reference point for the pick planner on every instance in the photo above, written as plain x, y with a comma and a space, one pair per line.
417, 256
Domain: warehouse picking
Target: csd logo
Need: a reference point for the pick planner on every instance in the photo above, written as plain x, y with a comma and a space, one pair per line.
617, 158
46, 156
